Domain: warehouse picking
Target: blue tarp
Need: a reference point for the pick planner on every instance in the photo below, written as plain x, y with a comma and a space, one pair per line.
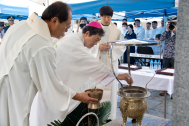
20, 13
88, 16
121, 5
130, 15
151, 13
91, 16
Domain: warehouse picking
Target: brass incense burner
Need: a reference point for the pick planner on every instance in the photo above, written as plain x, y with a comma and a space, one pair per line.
95, 93
133, 103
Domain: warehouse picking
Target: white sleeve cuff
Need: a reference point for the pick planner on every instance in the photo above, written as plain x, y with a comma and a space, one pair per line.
108, 79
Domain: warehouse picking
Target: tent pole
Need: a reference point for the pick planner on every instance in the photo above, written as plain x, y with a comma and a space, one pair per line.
165, 18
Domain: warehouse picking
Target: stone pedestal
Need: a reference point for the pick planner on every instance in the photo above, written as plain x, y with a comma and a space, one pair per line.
181, 81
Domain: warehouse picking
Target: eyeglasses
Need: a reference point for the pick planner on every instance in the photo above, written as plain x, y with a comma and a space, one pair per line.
68, 26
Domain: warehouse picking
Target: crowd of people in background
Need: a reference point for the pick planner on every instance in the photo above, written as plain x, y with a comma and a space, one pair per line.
129, 31
154, 33
167, 35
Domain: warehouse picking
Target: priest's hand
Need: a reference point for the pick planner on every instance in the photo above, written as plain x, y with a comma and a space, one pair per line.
104, 46
125, 77
84, 97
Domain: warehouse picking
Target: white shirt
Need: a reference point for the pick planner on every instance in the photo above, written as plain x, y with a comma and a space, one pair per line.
123, 31
140, 32
162, 29
27, 60
147, 33
153, 33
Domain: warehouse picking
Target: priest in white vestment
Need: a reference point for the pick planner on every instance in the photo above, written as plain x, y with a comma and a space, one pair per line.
153, 32
77, 68
27, 60
101, 51
74, 60
139, 30
162, 28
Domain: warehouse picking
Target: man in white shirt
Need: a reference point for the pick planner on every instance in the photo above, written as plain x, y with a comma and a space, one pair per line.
115, 24
153, 32
162, 28
148, 30
124, 29
27, 60
124, 21
139, 30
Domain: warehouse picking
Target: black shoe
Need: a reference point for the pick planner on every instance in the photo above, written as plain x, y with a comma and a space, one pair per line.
108, 120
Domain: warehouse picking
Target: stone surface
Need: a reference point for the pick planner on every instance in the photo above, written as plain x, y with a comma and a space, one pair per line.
181, 83
148, 120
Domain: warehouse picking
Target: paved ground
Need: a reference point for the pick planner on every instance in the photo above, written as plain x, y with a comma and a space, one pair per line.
156, 105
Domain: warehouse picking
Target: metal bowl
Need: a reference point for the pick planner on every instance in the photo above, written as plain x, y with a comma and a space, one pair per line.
95, 93
132, 92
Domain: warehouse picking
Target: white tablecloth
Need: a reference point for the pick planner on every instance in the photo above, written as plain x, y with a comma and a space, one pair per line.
159, 82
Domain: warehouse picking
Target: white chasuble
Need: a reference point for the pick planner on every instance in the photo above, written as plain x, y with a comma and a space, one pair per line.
77, 69
27, 60
112, 33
